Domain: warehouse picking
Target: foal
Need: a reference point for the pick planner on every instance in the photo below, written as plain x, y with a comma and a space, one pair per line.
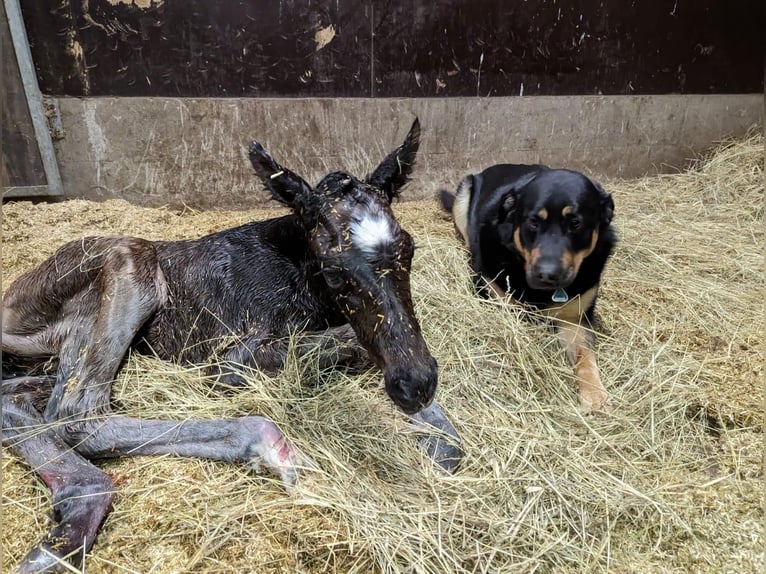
338, 266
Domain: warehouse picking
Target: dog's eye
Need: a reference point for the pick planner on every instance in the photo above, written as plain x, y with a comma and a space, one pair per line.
575, 223
533, 223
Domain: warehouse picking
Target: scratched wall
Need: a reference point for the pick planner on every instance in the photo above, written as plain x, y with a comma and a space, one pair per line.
395, 48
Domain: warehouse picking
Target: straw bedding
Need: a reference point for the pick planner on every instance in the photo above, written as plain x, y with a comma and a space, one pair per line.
670, 482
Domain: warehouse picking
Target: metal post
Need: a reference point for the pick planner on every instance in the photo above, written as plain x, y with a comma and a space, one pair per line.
35, 105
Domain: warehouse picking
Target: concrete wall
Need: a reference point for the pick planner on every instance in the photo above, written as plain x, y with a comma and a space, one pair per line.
175, 152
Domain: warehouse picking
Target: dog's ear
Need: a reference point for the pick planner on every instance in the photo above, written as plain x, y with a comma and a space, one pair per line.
505, 216
510, 195
606, 204
507, 206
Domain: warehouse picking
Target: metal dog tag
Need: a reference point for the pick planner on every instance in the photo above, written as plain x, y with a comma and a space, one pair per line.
560, 296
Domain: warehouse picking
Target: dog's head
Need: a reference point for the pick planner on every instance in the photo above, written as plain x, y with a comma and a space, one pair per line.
553, 219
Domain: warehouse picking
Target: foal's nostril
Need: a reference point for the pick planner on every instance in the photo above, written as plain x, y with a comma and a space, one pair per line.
412, 389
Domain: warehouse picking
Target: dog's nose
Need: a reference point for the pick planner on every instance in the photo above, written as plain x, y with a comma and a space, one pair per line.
549, 271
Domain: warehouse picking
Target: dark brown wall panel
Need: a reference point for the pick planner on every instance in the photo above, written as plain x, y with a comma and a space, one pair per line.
496, 48
396, 48
201, 48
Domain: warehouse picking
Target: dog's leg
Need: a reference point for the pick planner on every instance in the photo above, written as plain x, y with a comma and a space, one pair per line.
578, 342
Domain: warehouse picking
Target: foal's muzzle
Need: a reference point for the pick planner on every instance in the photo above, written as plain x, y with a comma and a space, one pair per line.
412, 388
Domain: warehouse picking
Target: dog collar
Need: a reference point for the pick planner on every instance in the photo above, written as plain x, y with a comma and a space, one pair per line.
560, 296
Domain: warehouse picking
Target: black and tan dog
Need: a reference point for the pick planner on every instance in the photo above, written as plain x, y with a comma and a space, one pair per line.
542, 236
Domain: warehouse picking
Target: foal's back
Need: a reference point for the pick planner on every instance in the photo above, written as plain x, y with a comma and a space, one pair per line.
258, 276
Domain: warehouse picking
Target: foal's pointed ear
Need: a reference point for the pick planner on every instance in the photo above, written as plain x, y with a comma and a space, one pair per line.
393, 172
284, 185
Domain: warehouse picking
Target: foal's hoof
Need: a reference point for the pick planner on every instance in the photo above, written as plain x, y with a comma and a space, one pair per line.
42, 559
271, 451
226, 378
445, 455
441, 448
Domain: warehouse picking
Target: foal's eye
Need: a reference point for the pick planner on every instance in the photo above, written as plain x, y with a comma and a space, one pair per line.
333, 278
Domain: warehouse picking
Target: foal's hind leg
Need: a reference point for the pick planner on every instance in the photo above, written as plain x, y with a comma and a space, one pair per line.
129, 288
254, 440
85, 305
103, 299
81, 493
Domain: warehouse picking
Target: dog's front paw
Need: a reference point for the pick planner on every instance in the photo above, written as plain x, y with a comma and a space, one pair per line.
595, 402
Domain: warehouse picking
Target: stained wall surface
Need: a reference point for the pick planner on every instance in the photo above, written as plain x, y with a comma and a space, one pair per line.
187, 151
396, 48
158, 99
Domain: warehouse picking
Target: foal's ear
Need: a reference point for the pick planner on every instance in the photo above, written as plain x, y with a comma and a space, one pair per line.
393, 172
284, 185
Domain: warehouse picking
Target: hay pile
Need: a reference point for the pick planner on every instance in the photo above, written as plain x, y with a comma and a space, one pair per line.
670, 482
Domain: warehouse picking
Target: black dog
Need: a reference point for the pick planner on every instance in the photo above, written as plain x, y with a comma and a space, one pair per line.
542, 236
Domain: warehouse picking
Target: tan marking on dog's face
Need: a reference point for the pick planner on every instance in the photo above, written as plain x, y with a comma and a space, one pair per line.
530, 255
543, 214
460, 209
573, 260
567, 210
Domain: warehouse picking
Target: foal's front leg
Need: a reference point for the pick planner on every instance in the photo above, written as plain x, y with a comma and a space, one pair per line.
443, 447
337, 346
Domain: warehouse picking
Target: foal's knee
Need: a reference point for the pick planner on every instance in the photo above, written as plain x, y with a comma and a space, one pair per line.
75, 433
83, 493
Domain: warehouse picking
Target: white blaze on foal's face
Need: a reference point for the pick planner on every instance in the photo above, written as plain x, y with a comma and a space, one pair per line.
371, 232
